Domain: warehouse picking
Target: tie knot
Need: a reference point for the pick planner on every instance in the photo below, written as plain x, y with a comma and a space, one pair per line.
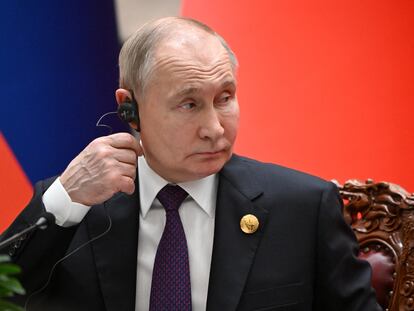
171, 197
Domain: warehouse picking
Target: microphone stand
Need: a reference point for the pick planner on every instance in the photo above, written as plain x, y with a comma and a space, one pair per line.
41, 223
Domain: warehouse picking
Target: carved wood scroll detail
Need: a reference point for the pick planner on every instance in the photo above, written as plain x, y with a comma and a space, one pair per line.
383, 213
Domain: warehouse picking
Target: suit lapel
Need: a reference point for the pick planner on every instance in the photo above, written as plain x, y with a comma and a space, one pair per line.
115, 253
233, 250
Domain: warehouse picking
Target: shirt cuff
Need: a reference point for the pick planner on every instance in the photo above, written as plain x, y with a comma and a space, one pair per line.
58, 202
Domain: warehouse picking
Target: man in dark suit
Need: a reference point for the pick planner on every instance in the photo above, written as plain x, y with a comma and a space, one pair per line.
250, 235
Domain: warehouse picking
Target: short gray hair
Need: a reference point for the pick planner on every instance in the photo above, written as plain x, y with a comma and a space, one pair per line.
136, 55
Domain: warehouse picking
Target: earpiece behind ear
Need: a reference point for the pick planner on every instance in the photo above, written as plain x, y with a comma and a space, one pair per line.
128, 112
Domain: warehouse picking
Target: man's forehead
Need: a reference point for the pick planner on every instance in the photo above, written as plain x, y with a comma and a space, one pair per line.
190, 60
185, 60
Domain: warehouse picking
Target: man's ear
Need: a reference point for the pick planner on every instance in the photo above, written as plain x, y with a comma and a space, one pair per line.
122, 96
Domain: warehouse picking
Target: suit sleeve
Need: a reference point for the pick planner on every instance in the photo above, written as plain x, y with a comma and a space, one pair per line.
343, 281
36, 253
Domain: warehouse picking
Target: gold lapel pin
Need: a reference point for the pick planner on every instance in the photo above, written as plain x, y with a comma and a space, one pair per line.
249, 224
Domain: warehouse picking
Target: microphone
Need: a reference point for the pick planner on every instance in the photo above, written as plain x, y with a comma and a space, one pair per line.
42, 223
45, 220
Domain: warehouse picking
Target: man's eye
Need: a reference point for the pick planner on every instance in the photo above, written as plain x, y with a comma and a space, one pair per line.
225, 99
188, 106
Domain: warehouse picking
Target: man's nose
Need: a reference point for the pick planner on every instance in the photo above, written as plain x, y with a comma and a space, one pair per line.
211, 127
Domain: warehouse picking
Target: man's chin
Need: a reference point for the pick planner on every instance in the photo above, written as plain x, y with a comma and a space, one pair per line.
210, 167
197, 169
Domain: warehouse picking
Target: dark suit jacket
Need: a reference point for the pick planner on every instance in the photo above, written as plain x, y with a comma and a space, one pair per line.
301, 258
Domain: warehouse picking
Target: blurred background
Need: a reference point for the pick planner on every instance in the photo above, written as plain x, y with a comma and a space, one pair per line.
325, 87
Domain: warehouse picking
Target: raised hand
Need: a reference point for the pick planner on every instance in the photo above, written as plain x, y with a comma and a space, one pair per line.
106, 166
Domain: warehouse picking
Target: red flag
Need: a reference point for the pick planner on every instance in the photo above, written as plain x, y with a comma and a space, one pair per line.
15, 187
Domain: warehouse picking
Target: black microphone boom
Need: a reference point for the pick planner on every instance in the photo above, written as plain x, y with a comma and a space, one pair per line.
43, 222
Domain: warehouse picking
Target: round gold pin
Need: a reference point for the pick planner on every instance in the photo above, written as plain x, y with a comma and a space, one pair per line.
249, 224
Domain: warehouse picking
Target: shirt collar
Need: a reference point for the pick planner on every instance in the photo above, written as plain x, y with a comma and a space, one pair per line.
203, 191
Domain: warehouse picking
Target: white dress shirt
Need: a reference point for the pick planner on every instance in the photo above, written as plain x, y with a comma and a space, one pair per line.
197, 215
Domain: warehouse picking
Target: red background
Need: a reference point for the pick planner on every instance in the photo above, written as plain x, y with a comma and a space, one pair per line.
324, 86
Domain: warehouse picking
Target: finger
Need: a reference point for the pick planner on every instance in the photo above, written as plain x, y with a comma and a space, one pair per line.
126, 185
127, 170
125, 156
125, 141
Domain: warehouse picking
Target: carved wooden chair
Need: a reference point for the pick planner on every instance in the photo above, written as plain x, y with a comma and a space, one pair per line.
382, 217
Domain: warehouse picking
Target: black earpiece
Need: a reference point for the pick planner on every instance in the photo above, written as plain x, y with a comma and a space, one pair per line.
128, 112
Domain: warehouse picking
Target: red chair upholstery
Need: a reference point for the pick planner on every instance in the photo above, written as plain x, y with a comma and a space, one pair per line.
383, 271
382, 217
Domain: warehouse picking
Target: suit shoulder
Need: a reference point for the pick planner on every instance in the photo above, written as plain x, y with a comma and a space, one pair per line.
272, 174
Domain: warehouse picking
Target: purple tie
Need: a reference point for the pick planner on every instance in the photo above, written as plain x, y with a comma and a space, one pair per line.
170, 287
